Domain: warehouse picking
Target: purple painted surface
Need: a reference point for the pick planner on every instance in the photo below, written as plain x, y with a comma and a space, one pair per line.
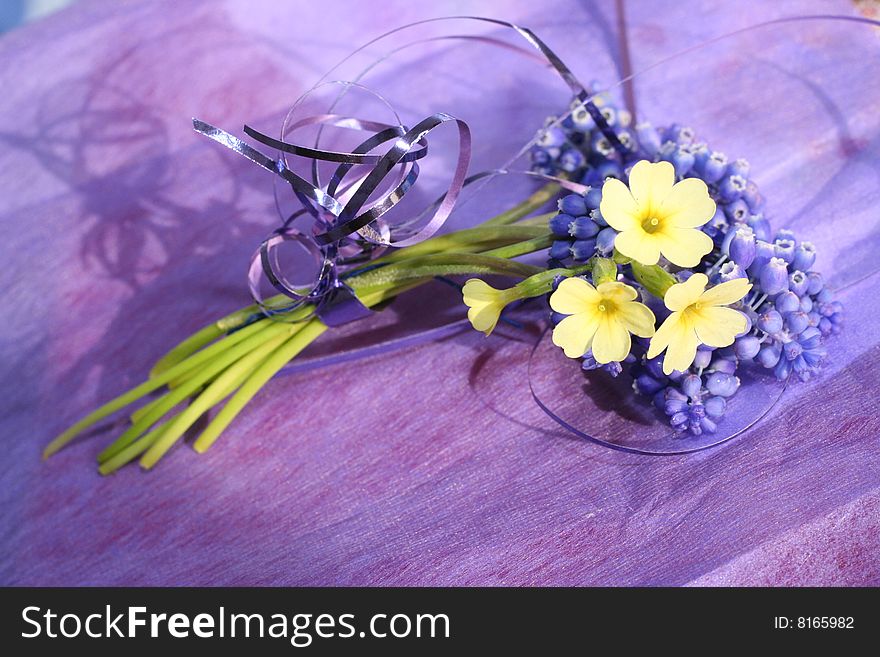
123, 232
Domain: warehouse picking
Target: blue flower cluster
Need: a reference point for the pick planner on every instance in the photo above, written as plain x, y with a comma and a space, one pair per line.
789, 308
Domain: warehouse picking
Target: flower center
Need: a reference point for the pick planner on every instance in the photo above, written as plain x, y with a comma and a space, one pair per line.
692, 312
651, 224
606, 306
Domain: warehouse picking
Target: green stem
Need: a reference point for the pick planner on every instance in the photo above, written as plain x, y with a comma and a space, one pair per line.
538, 219
443, 264
541, 197
208, 333
258, 378
150, 385
128, 454
211, 369
223, 385
540, 284
138, 413
189, 346
522, 248
465, 241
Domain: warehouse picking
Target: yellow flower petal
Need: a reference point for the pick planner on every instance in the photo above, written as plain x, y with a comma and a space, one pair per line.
478, 290
618, 207
681, 295
637, 318
726, 293
574, 295
677, 336
485, 303
684, 247
617, 291
719, 326
650, 183
638, 245
575, 334
612, 341
682, 348
484, 316
668, 329
688, 204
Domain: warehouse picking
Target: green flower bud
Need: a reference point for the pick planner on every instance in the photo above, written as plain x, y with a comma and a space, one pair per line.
653, 278
604, 270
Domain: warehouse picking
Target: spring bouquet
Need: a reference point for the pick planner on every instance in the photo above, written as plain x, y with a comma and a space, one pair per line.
656, 264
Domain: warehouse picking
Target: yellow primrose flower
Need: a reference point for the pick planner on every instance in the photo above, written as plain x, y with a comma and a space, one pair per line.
656, 215
485, 303
698, 316
600, 319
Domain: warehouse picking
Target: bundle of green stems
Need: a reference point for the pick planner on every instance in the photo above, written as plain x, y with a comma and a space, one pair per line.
223, 365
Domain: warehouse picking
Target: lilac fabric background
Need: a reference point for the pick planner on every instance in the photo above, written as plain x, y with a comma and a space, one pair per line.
123, 232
